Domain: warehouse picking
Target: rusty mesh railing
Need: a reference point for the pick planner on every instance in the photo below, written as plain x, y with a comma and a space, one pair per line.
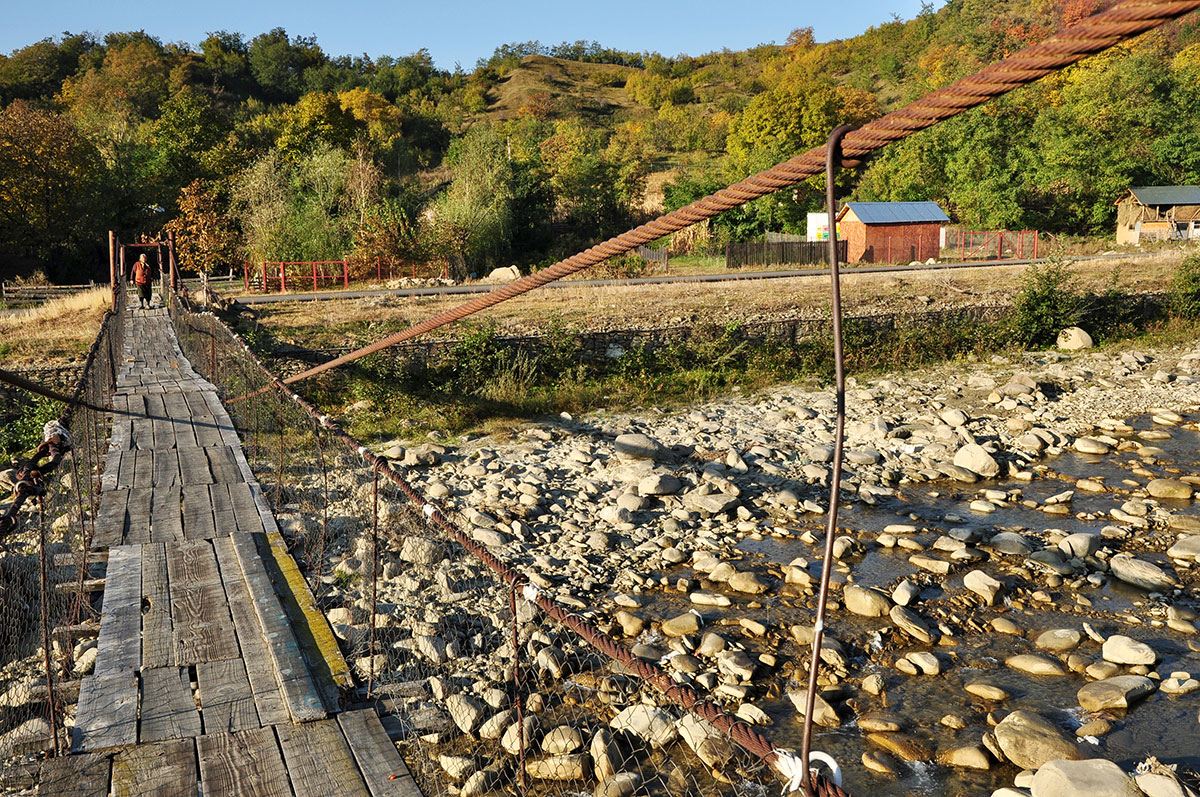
49, 619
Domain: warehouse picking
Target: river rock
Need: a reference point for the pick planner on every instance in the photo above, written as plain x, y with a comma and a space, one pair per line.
1119, 692
953, 417
1090, 445
482, 782
986, 691
1140, 573
1170, 489
911, 623
1059, 640
750, 583
622, 784
525, 730
606, 755
901, 746
684, 624
559, 767
1035, 664
1080, 545
649, 723
1120, 649
976, 459
866, 602
639, 446
1029, 740
562, 740
1073, 339
973, 756
659, 484
1011, 544
983, 585
419, 551
823, 713
1187, 548
1093, 778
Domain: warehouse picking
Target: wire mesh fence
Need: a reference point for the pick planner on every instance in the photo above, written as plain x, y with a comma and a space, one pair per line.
48, 620
493, 676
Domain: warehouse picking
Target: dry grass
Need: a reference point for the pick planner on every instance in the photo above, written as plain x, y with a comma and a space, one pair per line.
349, 322
54, 331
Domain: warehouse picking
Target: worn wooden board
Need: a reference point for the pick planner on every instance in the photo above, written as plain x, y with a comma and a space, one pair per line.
168, 709
300, 694
224, 424
224, 468
194, 467
161, 769
158, 638
247, 763
166, 518
137, 513
143, 468
222, 509
83, 775
107, 712
197, 512
110, 519
382, 768
319, 761
200, 616
166, 468
124, 466
246, 515
226, 702
264, 687
121, 613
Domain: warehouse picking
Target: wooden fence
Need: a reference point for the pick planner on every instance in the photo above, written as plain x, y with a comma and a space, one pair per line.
787, 253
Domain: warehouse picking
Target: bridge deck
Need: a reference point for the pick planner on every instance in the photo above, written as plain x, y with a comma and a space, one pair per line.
209, 678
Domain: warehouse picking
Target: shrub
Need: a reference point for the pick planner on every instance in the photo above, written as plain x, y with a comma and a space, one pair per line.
1046, 303
1185, 288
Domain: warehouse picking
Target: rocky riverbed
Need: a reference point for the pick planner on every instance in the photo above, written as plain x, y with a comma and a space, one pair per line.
1015, 584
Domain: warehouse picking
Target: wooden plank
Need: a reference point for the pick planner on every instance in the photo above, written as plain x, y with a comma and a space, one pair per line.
198, 512
107, 713
200, 616
110, 520
205, 427
247, 763
119, 645
319, 761
259, 670
222, 509
122, 424
247, 518
161, 769
383, 769
143, 470
194, 467
226, 701
224, 424
166, 518
168, 709
300, 694
126, 460
164, 430
158, 636
224, 467
137, 512
166, 468
75, 776
142, 437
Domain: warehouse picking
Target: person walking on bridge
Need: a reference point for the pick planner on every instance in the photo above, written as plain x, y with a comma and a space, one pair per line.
141, 278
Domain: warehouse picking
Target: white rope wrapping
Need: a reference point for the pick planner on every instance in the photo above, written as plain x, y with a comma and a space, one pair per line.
53, 428
530, 593
790, 766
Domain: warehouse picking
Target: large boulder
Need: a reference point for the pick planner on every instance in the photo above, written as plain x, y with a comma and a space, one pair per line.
1139, 573
503, 274
1120, 649
1119, 692
976, 459
1030, 740
1092, 778
1169, 488
1073, 339
866, 602
639, 446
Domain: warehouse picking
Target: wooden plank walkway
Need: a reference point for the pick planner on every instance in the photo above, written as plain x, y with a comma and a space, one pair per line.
214, 674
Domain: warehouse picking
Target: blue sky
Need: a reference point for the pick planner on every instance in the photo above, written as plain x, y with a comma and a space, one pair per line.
459, 30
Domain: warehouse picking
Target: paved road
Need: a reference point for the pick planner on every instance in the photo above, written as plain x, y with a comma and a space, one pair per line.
449, 290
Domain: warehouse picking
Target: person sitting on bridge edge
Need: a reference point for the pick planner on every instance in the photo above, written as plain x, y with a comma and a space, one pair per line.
141, 278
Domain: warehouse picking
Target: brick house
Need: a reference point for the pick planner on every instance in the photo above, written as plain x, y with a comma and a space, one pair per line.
891, 232
1158, 213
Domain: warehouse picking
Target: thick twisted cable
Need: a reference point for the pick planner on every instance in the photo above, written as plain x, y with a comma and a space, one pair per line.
1093, 34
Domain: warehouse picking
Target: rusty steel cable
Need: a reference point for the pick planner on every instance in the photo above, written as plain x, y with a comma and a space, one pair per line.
1091, 35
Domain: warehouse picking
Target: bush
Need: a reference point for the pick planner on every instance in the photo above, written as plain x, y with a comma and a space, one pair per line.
1185, 288
1046, 304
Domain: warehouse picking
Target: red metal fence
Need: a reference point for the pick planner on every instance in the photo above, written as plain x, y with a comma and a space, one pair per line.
327, 275
989, 244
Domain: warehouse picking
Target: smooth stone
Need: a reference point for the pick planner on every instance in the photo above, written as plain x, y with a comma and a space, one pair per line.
1090, 445
1186, 548
1059, 640
1120, 649
1139, 573
911, 623
1092, 778
622, 784
639, 446
983, 585
865, 602
649, 723
1073, 339
1011, 544
901, 746
559, 767
1035, 664
976, 459
972, 756
1119, 692
905, 592
747, 582
659, 484
561, 740
684, 624
823, 713
1030, 740
987, 691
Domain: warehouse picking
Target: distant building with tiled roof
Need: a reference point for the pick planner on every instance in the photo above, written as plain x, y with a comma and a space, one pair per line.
891, 232
1158, 213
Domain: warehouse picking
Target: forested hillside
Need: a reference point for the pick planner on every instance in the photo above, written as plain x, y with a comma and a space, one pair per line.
269, 148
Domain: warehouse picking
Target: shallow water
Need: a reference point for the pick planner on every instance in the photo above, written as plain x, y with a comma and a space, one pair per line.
1162, 725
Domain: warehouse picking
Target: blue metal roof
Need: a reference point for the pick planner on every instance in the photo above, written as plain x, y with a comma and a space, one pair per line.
1167, 194
896, 212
